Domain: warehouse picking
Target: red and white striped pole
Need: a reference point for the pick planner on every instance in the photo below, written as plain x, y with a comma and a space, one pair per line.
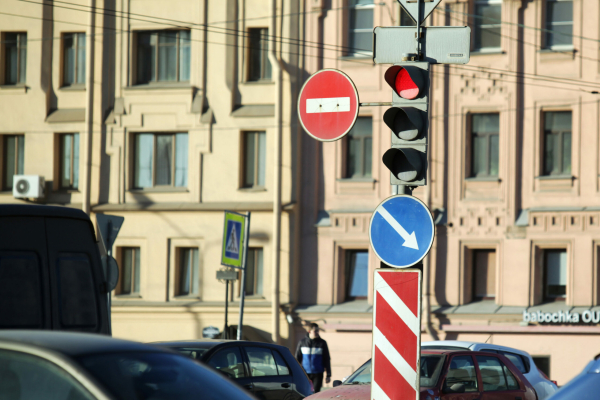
396, 334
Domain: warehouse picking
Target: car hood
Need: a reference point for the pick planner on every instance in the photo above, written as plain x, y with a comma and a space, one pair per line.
344, 392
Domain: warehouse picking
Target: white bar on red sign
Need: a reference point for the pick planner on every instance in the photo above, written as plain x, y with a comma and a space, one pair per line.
396, 334
330, 104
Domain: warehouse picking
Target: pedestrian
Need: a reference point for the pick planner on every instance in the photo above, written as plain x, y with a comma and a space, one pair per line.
313, 354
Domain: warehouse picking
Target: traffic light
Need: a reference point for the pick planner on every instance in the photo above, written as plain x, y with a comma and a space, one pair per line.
409, 122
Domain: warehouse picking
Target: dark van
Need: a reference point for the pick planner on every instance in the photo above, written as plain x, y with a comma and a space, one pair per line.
51, 274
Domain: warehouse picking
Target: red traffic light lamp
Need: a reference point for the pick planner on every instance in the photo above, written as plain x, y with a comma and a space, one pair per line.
407, 81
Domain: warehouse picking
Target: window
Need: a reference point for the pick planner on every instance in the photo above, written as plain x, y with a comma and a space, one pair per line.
495, 376
555, 274
357, 274
78, 306
13, 159
488, 22
405, 18
254, 272
484, 274
557, 143
262, 362
259, 66
25, 376
21, 278
559, 23
543, 363
15, 55
188, 274
163, 56
360, 23
359, 149
462, 371
161, 160
484, 145
69, 161
518, 360
73, 59
229, 362
129, 281
255, 154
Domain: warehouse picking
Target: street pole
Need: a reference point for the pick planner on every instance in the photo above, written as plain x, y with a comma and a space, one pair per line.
108, 279
226, 303
243, 283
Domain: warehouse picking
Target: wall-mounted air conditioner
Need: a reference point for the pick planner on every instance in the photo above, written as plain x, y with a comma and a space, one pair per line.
28, 186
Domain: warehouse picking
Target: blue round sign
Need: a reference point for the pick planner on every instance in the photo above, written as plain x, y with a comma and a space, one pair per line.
401, 231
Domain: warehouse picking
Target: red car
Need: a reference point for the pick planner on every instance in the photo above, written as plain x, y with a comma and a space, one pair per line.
448, 375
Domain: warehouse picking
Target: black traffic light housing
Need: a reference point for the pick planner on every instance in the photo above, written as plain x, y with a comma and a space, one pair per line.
409, 121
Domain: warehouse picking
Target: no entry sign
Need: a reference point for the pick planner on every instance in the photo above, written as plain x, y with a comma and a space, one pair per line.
328, 105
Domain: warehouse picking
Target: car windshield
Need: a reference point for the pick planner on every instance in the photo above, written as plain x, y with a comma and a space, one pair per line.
158, 376
192, 352
431, 366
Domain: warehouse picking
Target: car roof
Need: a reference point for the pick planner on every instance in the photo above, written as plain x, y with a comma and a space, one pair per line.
28, 210
72, 344
470, 346
208, 343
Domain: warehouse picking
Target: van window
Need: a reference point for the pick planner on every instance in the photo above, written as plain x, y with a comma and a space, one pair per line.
21, 290
78, 308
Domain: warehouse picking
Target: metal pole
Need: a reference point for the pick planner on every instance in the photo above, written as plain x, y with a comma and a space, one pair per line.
108, 278
243, 283
418, 36
226, 303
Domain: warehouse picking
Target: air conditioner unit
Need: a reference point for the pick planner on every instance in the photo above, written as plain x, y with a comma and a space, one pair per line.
28, 186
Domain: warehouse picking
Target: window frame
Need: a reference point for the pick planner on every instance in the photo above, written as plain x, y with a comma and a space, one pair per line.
265, 73
545, 296
256, 179
194, 272
254, 293
76, 46
474, 274
478, 27
487, 159
560, 134
548, 31
156, 61
136, 253
350, 50
4, 152
154, 160
347, 274
19, 39
362, 159
73, 165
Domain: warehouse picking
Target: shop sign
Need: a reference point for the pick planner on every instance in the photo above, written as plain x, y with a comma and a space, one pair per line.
562, 317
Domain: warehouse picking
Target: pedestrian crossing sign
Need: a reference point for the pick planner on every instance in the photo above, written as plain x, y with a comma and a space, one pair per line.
233, 239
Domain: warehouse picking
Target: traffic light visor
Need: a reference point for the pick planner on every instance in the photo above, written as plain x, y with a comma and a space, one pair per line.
406, 81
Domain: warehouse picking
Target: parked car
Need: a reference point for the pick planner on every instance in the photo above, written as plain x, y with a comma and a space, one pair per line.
54, 365
51, 274
521, 359
584, 386
269, 371
448, 375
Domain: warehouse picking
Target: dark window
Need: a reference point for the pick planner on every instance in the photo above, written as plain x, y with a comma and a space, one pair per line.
129, 281
29, 377
163, 56
360, 149
259, 66
262, 362
73, 59
557, 143
357, 274
406, 19
517, 360
188, 272
559, 23
360, 23
555, 274
484, 274
488, 16
485, 144
495, 376
255, 154
462, 371
78, 306
21, 289
69, 161
254, 272
161, 160
543, 363
229, 362
13, 160
15, 54
282, 367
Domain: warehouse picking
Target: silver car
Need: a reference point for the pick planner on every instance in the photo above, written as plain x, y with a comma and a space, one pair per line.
585, 386
522, 360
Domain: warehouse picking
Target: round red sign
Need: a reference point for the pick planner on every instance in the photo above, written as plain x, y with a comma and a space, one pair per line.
328, 105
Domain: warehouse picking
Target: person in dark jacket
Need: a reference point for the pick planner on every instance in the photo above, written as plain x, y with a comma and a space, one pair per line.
313, 354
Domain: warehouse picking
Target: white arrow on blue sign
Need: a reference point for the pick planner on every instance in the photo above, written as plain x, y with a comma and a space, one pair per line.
401, 231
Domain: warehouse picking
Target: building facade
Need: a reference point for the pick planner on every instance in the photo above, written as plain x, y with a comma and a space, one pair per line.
513, 183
